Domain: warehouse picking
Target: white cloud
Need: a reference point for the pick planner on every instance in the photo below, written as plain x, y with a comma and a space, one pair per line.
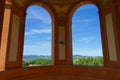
82, 20
86, 39
38, 31
41, 31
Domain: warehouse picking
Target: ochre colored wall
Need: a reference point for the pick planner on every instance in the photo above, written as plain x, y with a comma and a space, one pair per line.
1, 16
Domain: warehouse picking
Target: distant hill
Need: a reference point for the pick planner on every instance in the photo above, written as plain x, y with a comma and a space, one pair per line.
81, 56
34, 57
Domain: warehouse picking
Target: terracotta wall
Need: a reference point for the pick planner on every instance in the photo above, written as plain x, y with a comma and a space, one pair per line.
54, 73
1, 16
61, 73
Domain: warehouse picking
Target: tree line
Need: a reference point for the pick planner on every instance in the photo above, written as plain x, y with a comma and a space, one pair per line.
37, 62
85, 61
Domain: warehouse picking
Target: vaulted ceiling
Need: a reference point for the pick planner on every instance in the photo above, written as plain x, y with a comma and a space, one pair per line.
23, 2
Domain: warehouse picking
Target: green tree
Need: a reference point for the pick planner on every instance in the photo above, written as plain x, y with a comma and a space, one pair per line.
38, 62
88, 61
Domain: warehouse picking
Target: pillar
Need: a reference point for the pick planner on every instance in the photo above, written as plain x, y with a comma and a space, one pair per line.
110, 35
16, 38
12, 37
62, 49
116, 6
5, 35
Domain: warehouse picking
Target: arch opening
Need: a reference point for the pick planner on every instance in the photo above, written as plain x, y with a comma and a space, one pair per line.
86, 36
38, 37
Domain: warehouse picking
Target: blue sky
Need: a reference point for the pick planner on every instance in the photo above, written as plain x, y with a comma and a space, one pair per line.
85, 31
37, 32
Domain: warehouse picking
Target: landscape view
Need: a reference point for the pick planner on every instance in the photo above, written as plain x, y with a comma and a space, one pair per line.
86, 37
35, 60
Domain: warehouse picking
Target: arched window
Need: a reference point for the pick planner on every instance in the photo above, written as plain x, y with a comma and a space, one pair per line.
86, 37
37, 40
